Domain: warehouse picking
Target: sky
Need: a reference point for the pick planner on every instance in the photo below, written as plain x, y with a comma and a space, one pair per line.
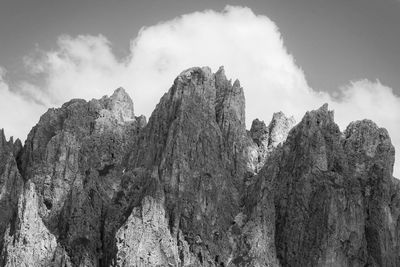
291, 56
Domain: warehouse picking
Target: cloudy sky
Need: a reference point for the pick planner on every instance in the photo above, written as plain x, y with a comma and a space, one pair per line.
291, 56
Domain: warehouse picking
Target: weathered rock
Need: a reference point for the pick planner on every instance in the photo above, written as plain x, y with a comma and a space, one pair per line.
371, 159
266, 139
145, 239
96, 186
279, 128
259, 133
27, 240
333, 195
74, 157
11, 184
195, 142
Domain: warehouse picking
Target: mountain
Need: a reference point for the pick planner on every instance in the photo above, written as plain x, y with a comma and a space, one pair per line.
95, 185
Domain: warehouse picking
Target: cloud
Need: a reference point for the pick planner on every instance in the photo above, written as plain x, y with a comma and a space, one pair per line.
18, 115
81, 67
250, 47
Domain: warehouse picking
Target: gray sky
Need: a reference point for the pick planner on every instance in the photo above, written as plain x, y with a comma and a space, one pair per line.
333, 41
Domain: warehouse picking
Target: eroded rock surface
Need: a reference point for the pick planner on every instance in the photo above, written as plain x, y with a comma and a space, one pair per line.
27, 240
74, 159
266, 139
96, 186
336, 203
145, 239
11, 184
195, 143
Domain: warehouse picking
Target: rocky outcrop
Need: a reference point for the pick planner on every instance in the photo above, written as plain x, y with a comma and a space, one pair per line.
266, 139
28, 241
73, 163
10, 184
96, 186
334, 196
145, 239
194, 143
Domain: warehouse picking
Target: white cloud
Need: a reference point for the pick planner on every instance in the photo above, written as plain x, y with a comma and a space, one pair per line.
18, 115
248, 45
81, 67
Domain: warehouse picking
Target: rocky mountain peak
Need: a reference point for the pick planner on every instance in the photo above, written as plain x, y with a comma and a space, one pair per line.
325, 176
267, 139
4, 144
121, 94
367, 145
10, 186
221, 73
194, 75
259, 133
120, 105
17, 148
3, 140
320, 117
10, 145
279, 128
230, 100
368, 138
101, 187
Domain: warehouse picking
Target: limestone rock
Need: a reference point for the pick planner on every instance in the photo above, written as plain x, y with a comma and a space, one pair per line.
11, 184
195, 142
74, 157
27, 240
95, 185
266, 139
279, 128
259, 133
333, 195
144, 239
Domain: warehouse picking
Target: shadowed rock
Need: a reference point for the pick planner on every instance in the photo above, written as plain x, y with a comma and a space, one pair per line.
73, 158
11, 184
194, 142
96, 186
334, 196
266, 139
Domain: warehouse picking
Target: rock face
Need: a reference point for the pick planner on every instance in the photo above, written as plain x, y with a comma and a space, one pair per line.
145, 238
193, 151
336, 202
72, 164
11, 184
34, 244
96, 186
266, 139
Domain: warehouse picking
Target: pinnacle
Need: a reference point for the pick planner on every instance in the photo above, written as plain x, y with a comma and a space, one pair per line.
236, 83
121, 104
220, 72
2, 138
120, 93
206, 71
324, 107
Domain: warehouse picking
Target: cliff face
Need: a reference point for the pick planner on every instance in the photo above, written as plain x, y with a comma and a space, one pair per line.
96, 186
336, 202
11, 184
72, 165
193, 152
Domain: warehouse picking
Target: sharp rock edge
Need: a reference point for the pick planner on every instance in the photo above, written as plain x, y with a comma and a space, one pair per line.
95, 185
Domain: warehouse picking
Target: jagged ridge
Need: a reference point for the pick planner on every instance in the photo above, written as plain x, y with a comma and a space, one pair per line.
96, 186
